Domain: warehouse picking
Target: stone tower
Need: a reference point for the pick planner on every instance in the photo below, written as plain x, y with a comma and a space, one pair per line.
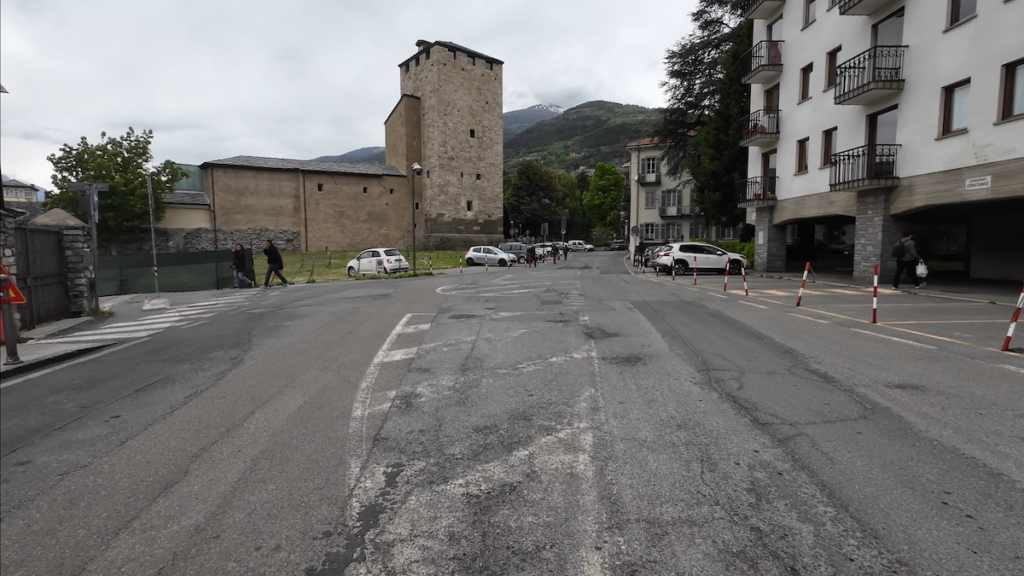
449, 120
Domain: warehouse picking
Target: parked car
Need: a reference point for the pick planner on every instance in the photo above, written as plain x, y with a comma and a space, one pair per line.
823, 247
683, 255
378, 261
543, 249
579, 245
650, 258
517, 249
480, 255
619, 245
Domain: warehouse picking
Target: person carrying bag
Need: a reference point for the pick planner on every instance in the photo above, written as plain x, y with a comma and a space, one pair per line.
907, 260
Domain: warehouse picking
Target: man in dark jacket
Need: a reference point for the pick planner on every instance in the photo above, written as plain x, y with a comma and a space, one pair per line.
274, 263
238, 264
907, 260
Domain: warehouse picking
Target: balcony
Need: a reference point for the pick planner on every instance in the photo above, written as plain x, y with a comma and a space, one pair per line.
873, 74
860, 7
760, 128
650, 179
756, 191
761, 9
864, 167
762, 63
676, 211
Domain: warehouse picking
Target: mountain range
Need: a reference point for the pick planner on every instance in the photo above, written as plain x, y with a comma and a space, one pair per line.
561, 138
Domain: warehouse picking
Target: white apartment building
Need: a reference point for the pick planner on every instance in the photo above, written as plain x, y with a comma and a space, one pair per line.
870, 117
661, 208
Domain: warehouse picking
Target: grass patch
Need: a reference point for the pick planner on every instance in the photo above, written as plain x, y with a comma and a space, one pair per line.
321, 266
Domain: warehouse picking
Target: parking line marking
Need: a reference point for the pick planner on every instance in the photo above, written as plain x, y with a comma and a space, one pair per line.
718, 295
944, 322
911, 342
408, 329
1014, 368
754, 305
401, 354
809, 318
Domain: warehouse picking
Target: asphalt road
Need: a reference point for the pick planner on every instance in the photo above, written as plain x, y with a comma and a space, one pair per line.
570, 419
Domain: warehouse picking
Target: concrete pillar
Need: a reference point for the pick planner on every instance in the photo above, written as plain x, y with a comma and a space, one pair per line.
769, 242
877, 232
81, 270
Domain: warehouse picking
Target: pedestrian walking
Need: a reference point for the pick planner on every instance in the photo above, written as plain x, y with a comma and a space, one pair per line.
274, 263
554, 252
907, 259
238, 265
531, 256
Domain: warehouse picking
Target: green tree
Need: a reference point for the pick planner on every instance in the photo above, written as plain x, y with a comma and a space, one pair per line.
715, 159
577, 225
693, 73
604, 197
532, 197
122, 163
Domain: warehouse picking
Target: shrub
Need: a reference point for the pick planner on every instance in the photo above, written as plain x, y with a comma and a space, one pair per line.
745, 248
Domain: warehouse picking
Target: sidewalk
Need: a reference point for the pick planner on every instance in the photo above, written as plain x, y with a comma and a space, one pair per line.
36, 355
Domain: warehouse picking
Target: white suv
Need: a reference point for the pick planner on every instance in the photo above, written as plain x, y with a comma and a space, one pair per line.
686, 256
580, 245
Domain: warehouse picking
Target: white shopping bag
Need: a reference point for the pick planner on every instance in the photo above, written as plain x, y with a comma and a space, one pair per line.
922, 270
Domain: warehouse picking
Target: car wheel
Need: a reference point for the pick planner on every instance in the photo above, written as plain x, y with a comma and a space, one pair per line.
735, 268
521, 259
351, 272
502, 263
469, 261
681, 267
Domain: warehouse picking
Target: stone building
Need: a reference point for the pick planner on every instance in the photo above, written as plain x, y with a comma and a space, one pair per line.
448, 119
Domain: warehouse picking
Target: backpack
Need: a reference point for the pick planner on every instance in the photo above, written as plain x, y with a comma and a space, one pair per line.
899, 250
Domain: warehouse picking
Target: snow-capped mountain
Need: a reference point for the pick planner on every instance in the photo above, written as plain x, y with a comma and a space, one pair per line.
518, 120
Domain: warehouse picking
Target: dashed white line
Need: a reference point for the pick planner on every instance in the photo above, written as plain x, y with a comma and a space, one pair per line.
754, 305
812, 319
718, 295
911, 342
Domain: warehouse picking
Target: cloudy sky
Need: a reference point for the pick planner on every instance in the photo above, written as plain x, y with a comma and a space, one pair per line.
295, 78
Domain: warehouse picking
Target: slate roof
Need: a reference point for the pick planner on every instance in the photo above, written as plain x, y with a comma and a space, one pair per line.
186, 198
425, 45
258, 162
12, 183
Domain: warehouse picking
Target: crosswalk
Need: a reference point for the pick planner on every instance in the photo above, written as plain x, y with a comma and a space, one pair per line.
179, 316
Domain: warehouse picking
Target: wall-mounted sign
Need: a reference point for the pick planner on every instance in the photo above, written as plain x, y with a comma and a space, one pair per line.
978, 183
760, 236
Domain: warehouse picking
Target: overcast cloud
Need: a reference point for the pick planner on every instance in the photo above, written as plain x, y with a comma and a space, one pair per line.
295, 79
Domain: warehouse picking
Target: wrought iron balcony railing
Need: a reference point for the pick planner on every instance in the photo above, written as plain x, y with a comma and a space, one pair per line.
756, 191
676, 211
762, 63
873, 73
759, 128
860, 7
864, 167
760, 9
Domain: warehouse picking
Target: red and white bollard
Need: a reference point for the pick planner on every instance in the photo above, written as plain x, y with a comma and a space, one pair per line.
874, 299
725, 285
800, 295
1013, 321
694, 270
673, 270
487, 268
431, 263
743, 270
460, 264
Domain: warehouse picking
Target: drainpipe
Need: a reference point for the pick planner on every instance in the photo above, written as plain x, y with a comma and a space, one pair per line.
305, 219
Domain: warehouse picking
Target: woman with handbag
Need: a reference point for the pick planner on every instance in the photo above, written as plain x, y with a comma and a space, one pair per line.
907, 259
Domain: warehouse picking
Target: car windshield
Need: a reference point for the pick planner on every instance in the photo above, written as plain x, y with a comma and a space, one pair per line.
392, 252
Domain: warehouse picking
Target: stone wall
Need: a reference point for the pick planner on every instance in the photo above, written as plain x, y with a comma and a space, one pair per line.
81, 271
200, 240
877, 232
8, 255
769, 242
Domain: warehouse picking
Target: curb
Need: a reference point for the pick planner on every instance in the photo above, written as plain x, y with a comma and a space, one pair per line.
931, 294
24, 367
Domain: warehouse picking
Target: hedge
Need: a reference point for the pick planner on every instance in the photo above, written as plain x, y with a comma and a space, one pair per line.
745, 248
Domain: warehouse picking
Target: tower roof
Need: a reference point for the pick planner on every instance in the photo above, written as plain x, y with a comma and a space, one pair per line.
423, 45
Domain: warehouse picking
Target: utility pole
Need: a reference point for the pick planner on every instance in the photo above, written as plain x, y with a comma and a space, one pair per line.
152, 231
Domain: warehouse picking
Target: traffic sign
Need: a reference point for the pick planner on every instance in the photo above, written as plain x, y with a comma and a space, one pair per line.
563, 231
16, 296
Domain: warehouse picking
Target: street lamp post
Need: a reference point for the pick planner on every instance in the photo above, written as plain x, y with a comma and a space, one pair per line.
416, 171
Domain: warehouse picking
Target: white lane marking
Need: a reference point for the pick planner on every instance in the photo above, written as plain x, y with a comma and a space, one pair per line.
361, 407
401, 354
1014, 368
7, 383
811, 319
156, 304
182, 314
754, 305
911, 342
415, 328
146, 322
76, 338
192, 324
127, 328
718, 295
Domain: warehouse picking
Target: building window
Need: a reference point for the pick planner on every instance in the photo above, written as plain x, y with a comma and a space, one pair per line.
650, 199
470, 60
391, 191
960, 10
406, 68
364, 189
469, 205
828, 146
673, 231
831, 61
417, 205
417, 60
954, 107
672, 198
477, 176
488, 66
451, 54
805, 81
1013, 90
472, 133
649, 165
426, 55
809, 12
654, 231
319, 187
801, 155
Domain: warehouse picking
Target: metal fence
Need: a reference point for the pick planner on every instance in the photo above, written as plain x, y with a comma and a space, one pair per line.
179, 272
880, 64
42, 277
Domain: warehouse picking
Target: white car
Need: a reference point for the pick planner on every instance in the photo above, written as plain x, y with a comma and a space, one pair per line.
378, 261
685, 256
480, 255
580, 245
